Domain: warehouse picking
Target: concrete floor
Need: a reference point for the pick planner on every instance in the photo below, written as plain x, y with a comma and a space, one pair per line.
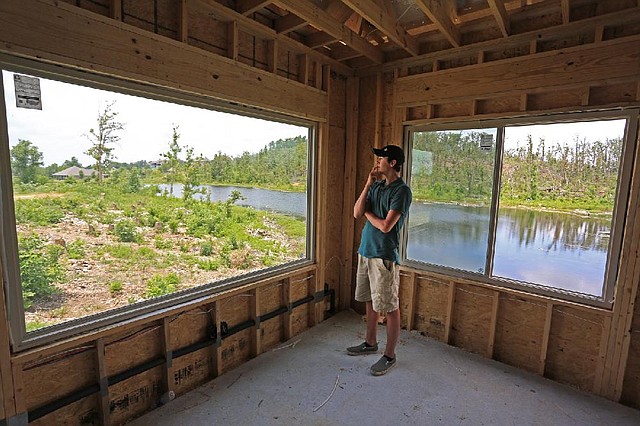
432, 383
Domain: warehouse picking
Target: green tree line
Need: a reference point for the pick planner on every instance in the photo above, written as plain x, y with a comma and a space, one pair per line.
456, 167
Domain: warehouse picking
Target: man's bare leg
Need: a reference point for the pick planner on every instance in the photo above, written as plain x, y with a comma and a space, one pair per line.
393, 332
372, 324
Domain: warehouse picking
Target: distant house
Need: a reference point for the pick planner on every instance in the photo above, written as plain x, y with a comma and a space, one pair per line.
155, 164
74, 172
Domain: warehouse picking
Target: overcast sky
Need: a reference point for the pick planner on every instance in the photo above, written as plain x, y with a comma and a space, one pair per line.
69, 111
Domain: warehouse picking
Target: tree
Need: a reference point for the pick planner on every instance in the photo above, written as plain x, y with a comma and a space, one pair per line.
25, 160
70, 163
172, 158
103, 138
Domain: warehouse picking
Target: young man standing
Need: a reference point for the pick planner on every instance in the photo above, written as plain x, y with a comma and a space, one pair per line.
384, 201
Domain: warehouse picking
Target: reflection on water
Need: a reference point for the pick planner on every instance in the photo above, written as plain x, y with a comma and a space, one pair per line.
548, 248
291, 203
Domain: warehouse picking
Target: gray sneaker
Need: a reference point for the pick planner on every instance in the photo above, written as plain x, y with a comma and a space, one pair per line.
382, 366
362, 349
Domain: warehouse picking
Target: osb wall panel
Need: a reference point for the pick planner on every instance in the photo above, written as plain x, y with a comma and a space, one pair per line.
135, 396
205, 35
431, 301
49, 380
553, 100
574, 344
404, 294
235, 309
498, 105
519, 332
140, 346
82, 412
236, 350
272, 330
471, 318
612, 93
453, 109
192, 370
189, 327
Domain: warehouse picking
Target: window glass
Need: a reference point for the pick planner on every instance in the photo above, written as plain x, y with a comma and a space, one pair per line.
121, 199
451, 181
558, 191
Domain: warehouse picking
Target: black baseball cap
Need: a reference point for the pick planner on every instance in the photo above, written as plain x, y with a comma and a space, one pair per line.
392, 152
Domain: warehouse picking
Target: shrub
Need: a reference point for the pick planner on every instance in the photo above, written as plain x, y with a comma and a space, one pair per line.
38, 211
159, 285
39, 268
206, 248
126, 231
162, 244
115, 287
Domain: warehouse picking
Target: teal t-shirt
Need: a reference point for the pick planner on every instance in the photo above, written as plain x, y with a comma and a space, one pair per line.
383, 198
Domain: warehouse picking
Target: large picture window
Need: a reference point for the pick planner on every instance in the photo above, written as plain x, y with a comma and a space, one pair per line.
116, 202
536, 205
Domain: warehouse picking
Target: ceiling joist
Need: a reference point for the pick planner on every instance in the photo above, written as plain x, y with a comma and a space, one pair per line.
386, 23
247, 7
502, 18
325, 22
441, 17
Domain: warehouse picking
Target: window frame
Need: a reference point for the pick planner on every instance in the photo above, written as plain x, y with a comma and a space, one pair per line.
20, 339
623, 188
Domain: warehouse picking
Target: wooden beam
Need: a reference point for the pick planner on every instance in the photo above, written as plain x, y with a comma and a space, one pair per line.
272, 56
440, 16
223, 13
288, 23
103, 382
502, 18
565, 7
411, 305
115, 10
286, 299
256, 344
451, 301
609, 61
232, 40
319, 39
322, 20
494, 322
386, 23
216, 319
247, 7
349, 184
183, 21
542, 361
92, 42
168, 355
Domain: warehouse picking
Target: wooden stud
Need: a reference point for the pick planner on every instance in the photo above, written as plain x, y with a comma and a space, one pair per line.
7, 407
317, 79
411, 305
272, 56
586, 92
431, 111
638, 91
168, 354
436, 66
286, 298
115, 10
377, 139
602, 353
103, 380
303, 68
256, 345
232, 40
494, 322
450, 306
326, 79
565, 8
217, 349
481, 56
599, 34
18, 390
533, 46
524, 101
474, 107
312, 285
183, 21
545, 339
349, 193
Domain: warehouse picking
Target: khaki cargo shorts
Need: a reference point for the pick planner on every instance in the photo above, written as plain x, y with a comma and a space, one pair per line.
377, 281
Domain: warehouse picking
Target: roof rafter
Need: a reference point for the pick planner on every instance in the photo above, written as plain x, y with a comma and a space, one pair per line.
500, 13
325, 22
247, 7
438, 13
386, 23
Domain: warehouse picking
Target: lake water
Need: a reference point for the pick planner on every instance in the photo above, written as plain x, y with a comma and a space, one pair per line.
548, 248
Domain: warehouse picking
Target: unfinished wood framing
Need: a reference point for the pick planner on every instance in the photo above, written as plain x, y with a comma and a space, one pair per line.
360, 91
